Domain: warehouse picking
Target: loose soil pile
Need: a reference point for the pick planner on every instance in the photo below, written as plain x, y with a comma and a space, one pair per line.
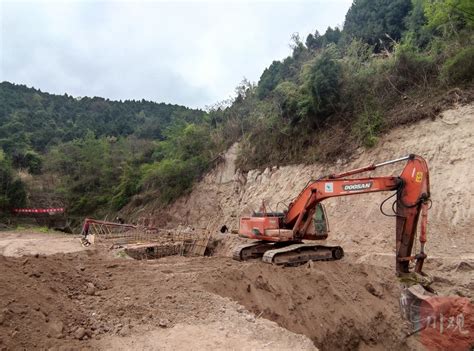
91, 300
338, 305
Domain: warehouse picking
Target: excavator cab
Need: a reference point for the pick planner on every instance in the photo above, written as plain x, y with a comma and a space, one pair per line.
320, 223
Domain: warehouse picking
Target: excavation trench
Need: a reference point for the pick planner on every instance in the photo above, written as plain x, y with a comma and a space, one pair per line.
157, 251
337, 305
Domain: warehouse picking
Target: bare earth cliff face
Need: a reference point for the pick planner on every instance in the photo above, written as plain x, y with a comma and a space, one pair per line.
356, 223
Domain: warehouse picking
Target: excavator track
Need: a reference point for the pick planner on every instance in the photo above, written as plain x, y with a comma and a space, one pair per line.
251, 250
297, 254
289, 255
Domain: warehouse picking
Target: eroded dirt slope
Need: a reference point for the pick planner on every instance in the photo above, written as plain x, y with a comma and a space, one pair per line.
356, 223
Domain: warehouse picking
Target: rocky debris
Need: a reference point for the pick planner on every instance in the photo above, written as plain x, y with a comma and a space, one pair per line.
250, 318
371, 289
125, 330
117, 328
3, 316
464, 267
90, 289
253, 176
164, 323
56, 329
80, 333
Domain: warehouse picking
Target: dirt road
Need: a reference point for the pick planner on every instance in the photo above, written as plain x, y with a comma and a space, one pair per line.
30, 242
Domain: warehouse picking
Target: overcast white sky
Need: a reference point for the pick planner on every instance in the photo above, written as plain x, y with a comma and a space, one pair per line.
192, 53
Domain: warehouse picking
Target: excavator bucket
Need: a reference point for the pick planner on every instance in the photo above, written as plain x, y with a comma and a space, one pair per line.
417, 300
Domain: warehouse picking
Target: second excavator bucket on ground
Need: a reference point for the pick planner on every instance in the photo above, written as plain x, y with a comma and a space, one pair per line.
432, 315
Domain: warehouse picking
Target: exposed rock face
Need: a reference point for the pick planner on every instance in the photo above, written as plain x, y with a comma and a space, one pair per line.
226, 170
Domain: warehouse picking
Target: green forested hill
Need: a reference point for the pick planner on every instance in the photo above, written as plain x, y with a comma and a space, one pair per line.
343, 88
388, 65
33, 121
97, 147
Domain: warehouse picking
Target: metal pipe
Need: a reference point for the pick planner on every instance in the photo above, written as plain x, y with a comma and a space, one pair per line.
393, 161
367, 168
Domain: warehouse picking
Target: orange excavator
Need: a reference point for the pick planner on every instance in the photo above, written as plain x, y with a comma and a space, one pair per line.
279, 235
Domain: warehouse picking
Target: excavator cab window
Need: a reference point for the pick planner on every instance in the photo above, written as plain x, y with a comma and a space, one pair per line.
319, 218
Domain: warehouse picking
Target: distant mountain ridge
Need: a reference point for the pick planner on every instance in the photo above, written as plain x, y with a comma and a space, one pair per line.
34, 120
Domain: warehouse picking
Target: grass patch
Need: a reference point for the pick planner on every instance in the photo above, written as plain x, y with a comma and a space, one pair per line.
122, 254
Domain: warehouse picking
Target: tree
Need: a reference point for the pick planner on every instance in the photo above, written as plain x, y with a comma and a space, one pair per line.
449, 16
31, 120
290, 100
12, 189
324, 82
415, 22
331, 36
314, 41
377, 22
269, 79
317, 41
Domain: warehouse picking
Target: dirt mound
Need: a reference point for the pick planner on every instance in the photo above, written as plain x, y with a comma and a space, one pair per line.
93, 300
41, 300
90, 300
337, 305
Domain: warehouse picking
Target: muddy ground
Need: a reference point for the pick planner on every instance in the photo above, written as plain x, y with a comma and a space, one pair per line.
97, 299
